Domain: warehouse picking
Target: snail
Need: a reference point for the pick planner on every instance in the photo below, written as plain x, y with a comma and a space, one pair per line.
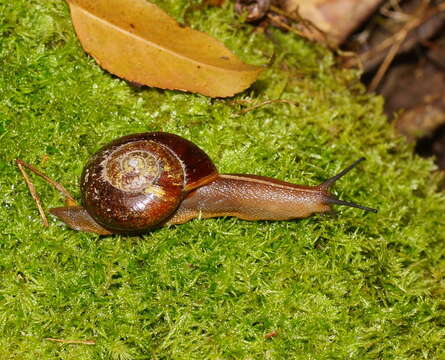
144, 181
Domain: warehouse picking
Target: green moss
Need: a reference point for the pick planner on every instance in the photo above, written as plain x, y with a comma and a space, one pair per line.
359, 285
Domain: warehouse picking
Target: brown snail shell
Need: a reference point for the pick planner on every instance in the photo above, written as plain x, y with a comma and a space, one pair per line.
136, 182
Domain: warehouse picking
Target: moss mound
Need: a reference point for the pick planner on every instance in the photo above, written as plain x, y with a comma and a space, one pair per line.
359, 285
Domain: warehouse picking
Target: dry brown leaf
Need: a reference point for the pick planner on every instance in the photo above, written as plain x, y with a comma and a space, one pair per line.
139, 42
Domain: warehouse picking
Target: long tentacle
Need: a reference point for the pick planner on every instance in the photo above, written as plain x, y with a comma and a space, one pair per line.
329, 182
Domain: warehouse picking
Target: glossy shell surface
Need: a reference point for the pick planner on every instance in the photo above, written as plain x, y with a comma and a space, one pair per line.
137, 182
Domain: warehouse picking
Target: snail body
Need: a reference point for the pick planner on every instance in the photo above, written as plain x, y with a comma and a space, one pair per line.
143, 181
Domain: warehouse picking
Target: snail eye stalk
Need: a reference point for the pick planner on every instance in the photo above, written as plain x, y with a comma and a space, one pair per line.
329, 182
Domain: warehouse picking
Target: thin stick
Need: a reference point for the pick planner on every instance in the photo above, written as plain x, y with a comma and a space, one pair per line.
33, 192
398, 41
271, 334
308, 24
83, 342
267, 102
278, 22
393, 38
68, 198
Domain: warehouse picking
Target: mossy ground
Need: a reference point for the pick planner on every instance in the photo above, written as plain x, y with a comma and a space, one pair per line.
357, 286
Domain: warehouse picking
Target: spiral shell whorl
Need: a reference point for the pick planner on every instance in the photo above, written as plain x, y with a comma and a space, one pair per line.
131, 170
132, 186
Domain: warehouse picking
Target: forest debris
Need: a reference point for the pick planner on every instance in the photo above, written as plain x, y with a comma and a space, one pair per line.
336, 18
253, 9
420, 121
271, 335
400, 93
329, 22
302, 26
399, 37
375, 43
139, 42
415, 92
21, 165
69, 200
261, 104
81, 342
214, 2
436, 53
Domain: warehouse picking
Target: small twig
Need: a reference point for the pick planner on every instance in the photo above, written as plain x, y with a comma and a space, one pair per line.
271, 334
68, 198
33, 192
393, 38
399, 38
393, 10
296, 17
83, 342
278, 22
373, 55
267, 102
